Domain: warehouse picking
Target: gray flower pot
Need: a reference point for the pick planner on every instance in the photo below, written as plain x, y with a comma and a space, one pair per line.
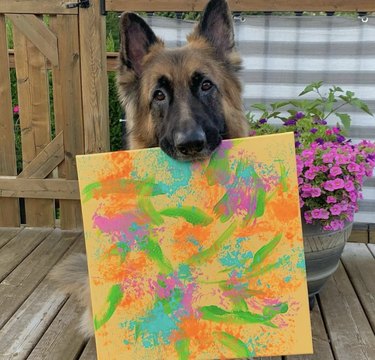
323, 250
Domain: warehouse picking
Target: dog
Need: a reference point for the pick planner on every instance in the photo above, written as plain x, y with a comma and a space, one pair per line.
184, 100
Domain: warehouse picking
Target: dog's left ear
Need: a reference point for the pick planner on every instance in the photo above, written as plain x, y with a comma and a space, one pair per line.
216, 26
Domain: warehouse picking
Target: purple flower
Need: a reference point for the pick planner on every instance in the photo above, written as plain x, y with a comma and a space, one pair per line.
320, 141
338, 183
320, 214
313, 130
340, 138
315, 192
336, 130
262, 121
308, 217
290, 122
297, 144
336, 209
299, 115
349, 186
328, 185
337, 224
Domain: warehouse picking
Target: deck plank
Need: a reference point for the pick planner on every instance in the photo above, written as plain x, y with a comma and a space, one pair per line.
19, 284
372, 248
90, 351
61, 339
348, 328
359, 264
7, 234
20, 334
321, 343
18, 248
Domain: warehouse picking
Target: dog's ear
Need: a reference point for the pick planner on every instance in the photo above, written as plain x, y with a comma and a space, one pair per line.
136, 40
216, 26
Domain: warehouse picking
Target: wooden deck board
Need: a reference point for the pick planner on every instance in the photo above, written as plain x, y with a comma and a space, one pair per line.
361, 270
7, 234
19, 284
37, 323
19, 248
348, 327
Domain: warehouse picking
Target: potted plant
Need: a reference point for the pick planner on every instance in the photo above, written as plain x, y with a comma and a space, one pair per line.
331, 171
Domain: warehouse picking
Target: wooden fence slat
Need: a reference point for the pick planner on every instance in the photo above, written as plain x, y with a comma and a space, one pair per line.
38, 33
68, 109
11, 186
94, 79
36, 7
46, 161
33, 93
242, 5
9, 208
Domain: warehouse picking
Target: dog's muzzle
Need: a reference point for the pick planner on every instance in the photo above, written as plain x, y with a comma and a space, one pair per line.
190, 143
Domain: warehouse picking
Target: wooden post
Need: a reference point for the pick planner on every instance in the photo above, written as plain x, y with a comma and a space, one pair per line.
94, 78
9, 208
68, 109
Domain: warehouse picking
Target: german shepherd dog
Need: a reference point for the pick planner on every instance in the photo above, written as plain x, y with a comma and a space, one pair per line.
185, 100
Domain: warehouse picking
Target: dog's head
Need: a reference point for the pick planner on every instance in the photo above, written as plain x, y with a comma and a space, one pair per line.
185, 100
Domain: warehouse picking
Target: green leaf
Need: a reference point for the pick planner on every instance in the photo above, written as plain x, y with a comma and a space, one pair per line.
345, 120
279, 104
238, 347
311, 87
361, 105
260, 107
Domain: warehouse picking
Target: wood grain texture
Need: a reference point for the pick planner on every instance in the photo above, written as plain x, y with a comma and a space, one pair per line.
36, 7
89, 353
11, 186
68, 109
94, 79
360, 233
38, 33
7, 234
20, 283
348, 328
33, 93
61, 339
242, 5
46, 161
372, 233
9, 208
17, 249
360, 266
372, 248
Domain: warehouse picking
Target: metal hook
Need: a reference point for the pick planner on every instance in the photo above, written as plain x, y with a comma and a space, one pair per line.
239, 18
364, 19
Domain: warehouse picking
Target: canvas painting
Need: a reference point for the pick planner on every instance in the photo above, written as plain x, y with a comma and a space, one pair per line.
196, 260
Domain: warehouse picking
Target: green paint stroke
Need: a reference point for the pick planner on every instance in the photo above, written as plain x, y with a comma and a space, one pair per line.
145, 204
155, 253
191, 214
263, 252
205, 255
182, 348
218, 170
216, 314
260, 202
114, 298
284, 177
238, 347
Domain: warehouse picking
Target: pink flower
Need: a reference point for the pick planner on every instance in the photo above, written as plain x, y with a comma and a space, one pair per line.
331, 200
310, 174
353, 167
308, 217
349, 186
338, 183
335, 170
336, 209
328, 185
336, 130
337, 224
320, 214
315, 192
328, 157
16, 109
329, 132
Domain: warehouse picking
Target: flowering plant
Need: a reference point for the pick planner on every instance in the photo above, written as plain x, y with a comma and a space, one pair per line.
331, 169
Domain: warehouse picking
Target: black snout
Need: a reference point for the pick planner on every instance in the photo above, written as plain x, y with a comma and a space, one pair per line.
191, 142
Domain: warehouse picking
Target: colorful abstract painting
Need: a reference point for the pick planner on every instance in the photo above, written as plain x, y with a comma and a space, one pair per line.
196, 260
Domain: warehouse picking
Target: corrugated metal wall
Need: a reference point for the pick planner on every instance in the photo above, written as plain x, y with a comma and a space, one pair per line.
281, 55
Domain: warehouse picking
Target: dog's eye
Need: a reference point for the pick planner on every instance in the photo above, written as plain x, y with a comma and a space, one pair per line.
159, 95
206, 85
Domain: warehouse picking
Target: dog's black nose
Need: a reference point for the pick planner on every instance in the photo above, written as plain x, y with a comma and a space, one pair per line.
190, 142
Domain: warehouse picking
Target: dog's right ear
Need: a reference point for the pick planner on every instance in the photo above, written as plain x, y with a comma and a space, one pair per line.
136, 40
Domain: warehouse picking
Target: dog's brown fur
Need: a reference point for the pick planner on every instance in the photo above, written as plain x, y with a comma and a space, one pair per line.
143, 61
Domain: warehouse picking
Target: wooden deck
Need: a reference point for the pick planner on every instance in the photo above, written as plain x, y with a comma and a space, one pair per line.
36, 322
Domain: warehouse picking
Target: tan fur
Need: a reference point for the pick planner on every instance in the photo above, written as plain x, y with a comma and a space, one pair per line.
135, 93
